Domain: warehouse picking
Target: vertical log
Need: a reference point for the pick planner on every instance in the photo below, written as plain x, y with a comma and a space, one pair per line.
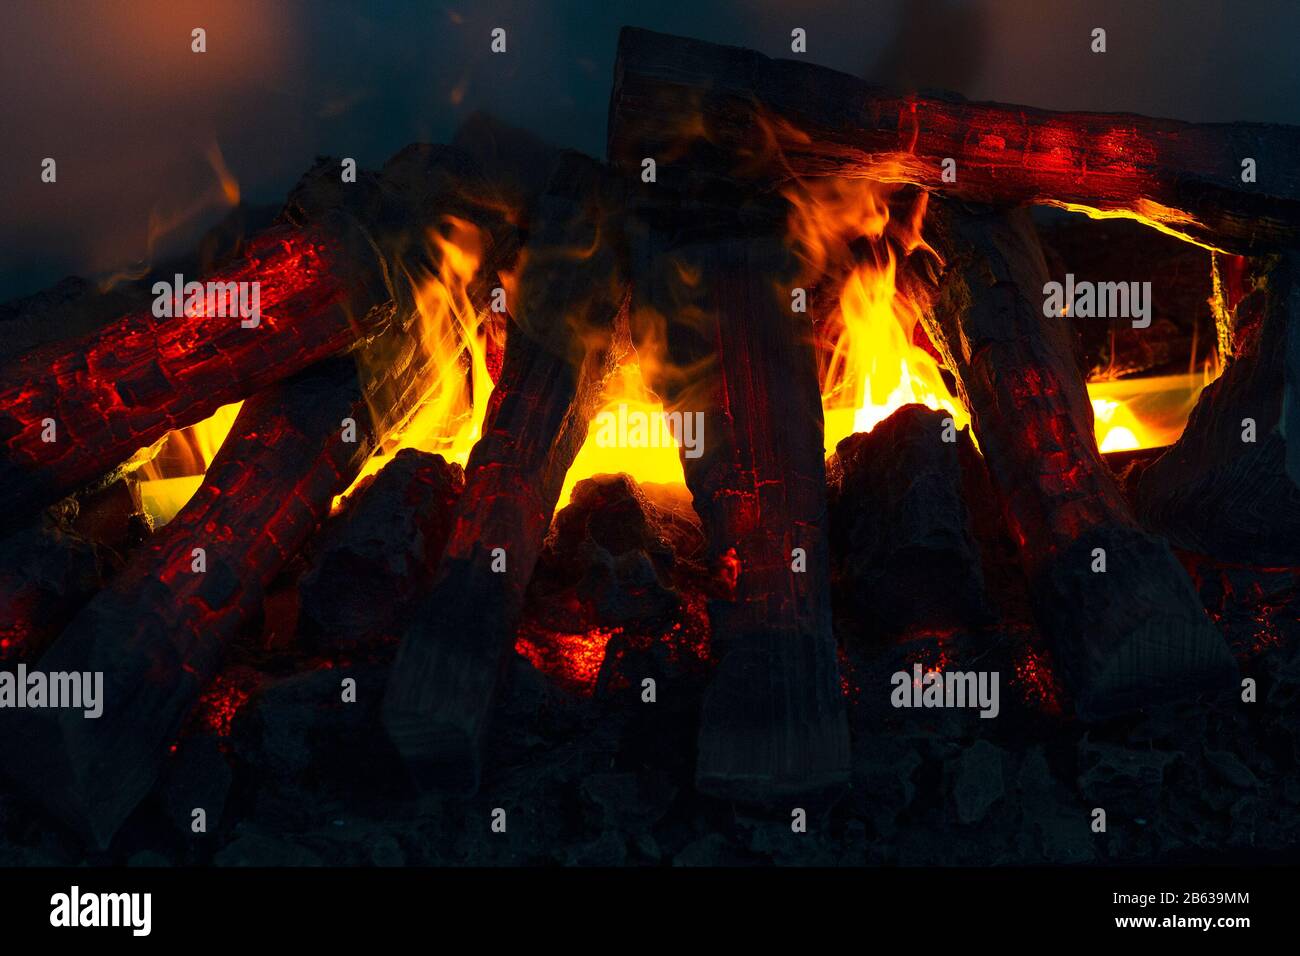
773, 722
1123, 637
559, 351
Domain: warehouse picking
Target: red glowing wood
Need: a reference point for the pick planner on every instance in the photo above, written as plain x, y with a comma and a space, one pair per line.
124, 387
1125, 634
709, 112
558, 354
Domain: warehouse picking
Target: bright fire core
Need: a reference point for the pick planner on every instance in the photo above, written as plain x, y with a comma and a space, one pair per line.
872, 353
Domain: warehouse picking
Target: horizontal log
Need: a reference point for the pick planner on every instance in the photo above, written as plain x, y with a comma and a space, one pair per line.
1126, 626
709, 112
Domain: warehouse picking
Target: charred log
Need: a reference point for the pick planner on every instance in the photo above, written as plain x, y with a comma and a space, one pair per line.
72, 410
382, 549
158, 632
1124, 621
47, 572
903, 539
705, 111
1224, 489
559, 351
773, 721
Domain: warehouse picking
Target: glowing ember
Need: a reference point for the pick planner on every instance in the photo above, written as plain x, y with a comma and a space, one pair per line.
220, 703
572, 660
1037, 682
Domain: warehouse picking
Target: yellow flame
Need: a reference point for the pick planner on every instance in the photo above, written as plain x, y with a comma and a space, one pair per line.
454, 337
1147, 412
870, 363
172, 475
657, 460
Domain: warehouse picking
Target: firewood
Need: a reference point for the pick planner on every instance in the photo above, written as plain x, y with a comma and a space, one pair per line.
899, 521
1223, 488
73, 410
338, 250
1126, 632
158, 632
384, 546
773, 723
559, 351
704, 110
47, 572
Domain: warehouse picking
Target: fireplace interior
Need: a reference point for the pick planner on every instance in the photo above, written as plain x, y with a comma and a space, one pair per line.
435, 536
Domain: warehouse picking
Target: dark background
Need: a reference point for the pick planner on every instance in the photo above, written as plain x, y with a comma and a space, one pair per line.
111, 90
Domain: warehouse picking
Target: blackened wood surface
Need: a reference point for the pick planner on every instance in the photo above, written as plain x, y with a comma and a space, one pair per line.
713, 290
559, 352
902, 535
1213, 492
701, 109
158, 632
1124, 637
381, 548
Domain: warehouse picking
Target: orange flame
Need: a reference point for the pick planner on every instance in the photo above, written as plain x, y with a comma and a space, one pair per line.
454, 338
871, 364
873, 355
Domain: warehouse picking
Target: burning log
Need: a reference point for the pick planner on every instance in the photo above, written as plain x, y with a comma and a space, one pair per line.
1224, 489
1126, 625
559, 351
73, 410
773, 722
159, 631
707, 111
